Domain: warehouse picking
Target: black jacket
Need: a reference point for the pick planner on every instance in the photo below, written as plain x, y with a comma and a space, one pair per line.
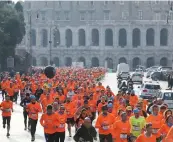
86, 134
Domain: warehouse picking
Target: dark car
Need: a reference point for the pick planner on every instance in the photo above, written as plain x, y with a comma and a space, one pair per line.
159, 75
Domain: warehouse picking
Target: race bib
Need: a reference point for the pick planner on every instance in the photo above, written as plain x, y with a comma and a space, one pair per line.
105, 127
136, 128
34, 115
61, 125
7, 110
123, 136
155, 131
68, 112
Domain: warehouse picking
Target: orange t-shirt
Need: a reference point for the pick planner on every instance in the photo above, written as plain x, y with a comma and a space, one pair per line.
6, 107
121, 130
104, 123
169, 137
33, 110
49, 123
143, 138
62, 118
164, 130
93, 105
70, 109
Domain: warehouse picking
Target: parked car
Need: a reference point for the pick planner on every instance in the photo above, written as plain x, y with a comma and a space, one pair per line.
159, 75
140, 71
149, 89
137, 77
141, 67
153, 68
167, 97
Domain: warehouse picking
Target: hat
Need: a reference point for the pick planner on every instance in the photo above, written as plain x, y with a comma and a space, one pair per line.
110, 105
136, 110
132, 92
128, 108
32, 97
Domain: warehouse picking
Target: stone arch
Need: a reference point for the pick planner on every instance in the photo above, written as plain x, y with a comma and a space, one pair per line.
34, 61
150, 37
150, 62
164, 37
57, 38
33, 37
43, 61
136, 37
122, 37
109, 63
136, 62
82, 59
56, 61
68, 61
164, 61
122, 60
95, 62
108, 37
81, 37
69, 37
44, 39
95, 37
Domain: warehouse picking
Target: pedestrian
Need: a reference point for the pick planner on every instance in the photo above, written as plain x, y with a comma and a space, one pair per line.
33, 109
147, 136
24, 104
169, 137
49, 121
86, 133
7, 108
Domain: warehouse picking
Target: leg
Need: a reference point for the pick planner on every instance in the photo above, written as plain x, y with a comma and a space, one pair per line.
4, 121
8, 125
25, 119
33, 128
51, 138
102, 138
62, 136
109, 138
46, 137
57, 137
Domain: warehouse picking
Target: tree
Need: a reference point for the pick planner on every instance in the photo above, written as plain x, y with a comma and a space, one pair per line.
12, 29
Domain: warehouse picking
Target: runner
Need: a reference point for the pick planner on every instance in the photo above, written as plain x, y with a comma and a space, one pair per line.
169, 137
7, 108
147, 136
24, 104
33, 109
49, 121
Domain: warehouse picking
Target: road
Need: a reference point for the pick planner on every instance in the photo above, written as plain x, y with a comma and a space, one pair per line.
17, 127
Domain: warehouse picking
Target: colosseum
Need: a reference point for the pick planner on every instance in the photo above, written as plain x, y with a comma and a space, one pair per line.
98, 33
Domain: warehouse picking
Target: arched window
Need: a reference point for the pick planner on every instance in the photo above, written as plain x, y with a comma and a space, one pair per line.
44, 61
82, 59
150, 37
108, 37
136, 62
95, 62
81, 37
122, 37
164, 61
33, 37
56, 61
109, 63
136, 41
164, 37
68, 61
150, 62
122, 60
69, 38
95, 37
57, 38
44, 38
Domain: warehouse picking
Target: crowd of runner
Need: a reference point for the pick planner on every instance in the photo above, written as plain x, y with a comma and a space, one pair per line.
76, 98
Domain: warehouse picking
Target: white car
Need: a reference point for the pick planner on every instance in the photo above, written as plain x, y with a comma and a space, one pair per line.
139, 71
124, 75
149, 89
167, 97
137, 77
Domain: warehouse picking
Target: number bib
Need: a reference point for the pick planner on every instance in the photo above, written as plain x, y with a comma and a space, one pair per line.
61, 125
123, 136
155, 131
105, 127
136, 128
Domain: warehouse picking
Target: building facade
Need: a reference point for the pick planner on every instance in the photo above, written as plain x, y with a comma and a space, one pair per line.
97, 33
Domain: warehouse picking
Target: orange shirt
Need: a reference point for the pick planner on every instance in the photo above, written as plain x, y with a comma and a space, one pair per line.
156, 122
104, 123
93, 105
10, 91
143, 138
169, 137
121, 130
133, 100
6, 107
100, 105
70, 109
33, 110
49, 123
164, 130
62, 118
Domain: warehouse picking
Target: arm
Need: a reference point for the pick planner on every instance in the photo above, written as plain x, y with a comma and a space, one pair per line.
22, 103
77, 135
42, 120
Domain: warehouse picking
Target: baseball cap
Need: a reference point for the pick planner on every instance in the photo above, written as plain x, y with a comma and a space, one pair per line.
128, 108
136, 110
